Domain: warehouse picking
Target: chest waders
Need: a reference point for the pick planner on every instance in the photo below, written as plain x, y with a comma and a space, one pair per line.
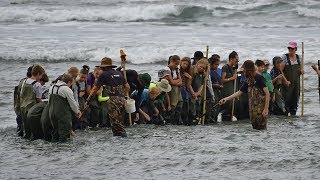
94, 116
257, 99
196, 105
46, 124
103, 100
60, 116
227, 90
34, 117
291, 94
27, 100
278, 106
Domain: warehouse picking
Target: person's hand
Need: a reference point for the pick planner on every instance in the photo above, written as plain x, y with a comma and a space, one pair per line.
187, 75
137, 117
147, 117
288, 83
81, 94
234, 77
222, 101
169, 108
213, 100
164, 109
72, 133
78, 115
180, 83
265, 112
314, 67
273, 98
302, 71
85, 106
221, 86
156, 112
280, 76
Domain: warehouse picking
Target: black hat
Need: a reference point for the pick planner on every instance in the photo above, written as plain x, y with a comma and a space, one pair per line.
198, 55
276, 59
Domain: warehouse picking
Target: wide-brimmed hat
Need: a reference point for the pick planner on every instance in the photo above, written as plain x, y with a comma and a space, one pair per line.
164, 85
292, 44
198, 55
106, 62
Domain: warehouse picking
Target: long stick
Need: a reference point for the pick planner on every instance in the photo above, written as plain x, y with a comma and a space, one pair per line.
205, 90
234, 91
302, 80
319, 79
123, 59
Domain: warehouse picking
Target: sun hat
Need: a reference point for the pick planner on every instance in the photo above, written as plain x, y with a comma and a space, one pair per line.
163, 73
145, 79
292, 44
106, 62
164, 85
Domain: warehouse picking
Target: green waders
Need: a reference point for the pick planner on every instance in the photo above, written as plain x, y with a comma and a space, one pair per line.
46, 124
34, 117
176, 105
228, 89
94, 117
195, 106
60, 116
27, 100
291, 94
278, 107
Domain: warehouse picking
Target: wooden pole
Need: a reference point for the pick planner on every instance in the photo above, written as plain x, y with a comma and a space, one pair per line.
319, 79
302, 80
123, 59
205, 89
234, 90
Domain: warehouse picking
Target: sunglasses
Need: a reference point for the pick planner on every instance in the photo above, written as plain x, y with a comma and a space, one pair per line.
290, 48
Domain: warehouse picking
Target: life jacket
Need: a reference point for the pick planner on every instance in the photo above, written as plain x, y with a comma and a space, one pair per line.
102, 97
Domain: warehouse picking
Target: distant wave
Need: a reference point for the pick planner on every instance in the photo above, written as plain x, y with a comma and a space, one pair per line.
142, 11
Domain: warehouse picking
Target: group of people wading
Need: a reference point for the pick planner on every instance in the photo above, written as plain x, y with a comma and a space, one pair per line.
82, 99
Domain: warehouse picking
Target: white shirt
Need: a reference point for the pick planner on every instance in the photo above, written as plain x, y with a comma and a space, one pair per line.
65, 92
173, 72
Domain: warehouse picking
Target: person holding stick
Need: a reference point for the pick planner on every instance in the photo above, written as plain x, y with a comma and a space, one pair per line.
229, 76
116, 89
292, 71
258, 93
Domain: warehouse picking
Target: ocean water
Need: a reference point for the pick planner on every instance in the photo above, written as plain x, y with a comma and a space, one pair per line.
59, 34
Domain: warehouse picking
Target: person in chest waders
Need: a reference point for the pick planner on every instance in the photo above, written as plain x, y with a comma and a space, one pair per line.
61, 104
292, 72
30, 94
116, 88
258, 93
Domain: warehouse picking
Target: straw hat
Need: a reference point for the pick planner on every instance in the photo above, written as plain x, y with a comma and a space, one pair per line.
164, 85
106, 62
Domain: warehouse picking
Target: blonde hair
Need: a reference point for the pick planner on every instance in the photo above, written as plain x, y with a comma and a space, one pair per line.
73, 71
202, 61
154, 92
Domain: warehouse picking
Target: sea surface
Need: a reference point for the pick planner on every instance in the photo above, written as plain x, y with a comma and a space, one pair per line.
59, 34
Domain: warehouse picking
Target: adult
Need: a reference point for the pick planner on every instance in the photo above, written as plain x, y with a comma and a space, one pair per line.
292, 72
116, 89
229, 75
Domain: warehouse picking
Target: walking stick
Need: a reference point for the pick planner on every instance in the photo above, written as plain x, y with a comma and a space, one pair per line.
205, 90
234, 91
319, 79
123, 59
302, 80
212, 108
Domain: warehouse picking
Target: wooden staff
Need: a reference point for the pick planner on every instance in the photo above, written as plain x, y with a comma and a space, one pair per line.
319, 79
302, 80
205, 89
234, 91
123, 60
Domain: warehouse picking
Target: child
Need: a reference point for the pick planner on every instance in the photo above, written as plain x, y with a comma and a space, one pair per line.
146, 110
196, 88
216, 82
80, 88
185, 73
31, 93
258, 96
268, 79
278, 80
175, 81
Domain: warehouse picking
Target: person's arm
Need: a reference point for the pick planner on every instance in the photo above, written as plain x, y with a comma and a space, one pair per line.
174, 82
235, 95
316, 68
275, 79
72, 102
265, 111
209, 86
168, 102
224, 79
189, 86
199, 91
